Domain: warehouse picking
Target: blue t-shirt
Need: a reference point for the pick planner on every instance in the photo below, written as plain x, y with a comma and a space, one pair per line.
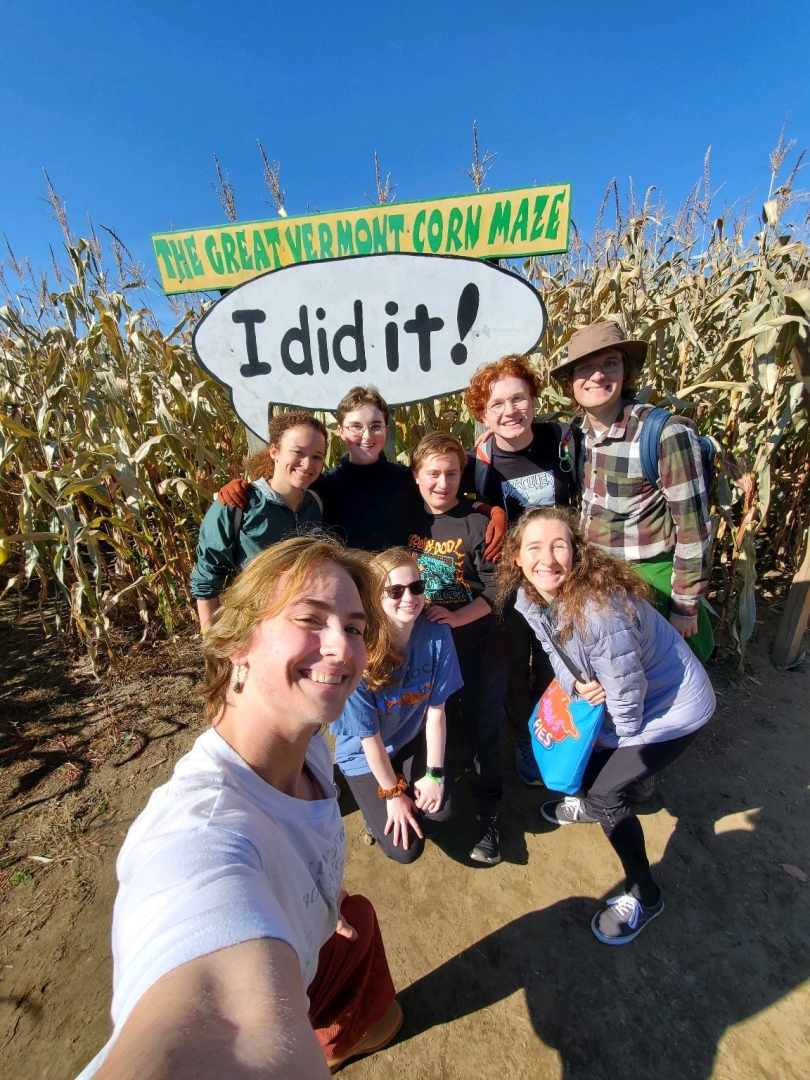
397, 712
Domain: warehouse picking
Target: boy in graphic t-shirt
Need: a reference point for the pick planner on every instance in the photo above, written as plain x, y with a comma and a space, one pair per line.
448, 538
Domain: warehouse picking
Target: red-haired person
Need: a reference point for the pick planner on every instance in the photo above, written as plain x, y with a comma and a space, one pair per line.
521, 464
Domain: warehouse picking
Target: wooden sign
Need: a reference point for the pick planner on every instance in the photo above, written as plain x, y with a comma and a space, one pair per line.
494, 224
415, 326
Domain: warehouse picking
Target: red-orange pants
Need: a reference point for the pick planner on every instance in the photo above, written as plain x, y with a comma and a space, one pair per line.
352, 988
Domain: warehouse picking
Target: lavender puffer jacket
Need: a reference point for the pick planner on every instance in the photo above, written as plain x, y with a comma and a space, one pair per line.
656, 688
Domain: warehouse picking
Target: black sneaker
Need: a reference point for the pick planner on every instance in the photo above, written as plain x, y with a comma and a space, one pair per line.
623, 918
641, 791
487, 850
568, 811
526, 766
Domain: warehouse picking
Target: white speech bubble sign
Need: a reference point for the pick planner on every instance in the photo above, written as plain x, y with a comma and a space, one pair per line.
414, 326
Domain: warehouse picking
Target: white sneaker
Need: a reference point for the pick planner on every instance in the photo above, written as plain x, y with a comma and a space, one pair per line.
568, 811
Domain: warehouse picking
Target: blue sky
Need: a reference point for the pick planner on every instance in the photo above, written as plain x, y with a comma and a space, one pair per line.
125, 105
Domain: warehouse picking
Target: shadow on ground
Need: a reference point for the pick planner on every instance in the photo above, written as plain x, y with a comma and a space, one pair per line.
57, 723
734, 939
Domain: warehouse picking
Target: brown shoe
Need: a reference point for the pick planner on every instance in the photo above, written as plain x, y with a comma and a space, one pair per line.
377, 1037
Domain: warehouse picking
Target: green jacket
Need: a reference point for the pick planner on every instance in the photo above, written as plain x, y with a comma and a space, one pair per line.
229, 538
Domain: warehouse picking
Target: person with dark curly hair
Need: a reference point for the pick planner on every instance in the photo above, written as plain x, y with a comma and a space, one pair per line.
519, 464
656, 693
275, 507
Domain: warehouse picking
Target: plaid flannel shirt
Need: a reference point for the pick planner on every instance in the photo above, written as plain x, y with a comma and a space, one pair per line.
623, 514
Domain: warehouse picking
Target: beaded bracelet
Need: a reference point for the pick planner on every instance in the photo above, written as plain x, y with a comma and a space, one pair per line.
399, 788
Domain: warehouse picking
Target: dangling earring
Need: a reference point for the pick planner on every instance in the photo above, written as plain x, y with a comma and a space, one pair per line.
239, 681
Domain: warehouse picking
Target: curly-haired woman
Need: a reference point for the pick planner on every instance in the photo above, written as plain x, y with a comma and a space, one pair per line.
275, 508
656, 693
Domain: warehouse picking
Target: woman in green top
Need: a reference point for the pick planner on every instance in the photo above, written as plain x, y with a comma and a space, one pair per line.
276, 508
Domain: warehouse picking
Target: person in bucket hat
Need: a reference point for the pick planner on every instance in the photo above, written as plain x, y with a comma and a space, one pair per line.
589, 340
664, 530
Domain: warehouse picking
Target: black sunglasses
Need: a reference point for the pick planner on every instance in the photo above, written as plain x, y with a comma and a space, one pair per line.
396, 592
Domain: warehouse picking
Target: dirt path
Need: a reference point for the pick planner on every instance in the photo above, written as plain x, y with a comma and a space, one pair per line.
499, 972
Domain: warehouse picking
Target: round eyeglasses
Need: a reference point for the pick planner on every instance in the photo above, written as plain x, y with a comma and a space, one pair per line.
517, 401
607, 367
396, 592
375, 430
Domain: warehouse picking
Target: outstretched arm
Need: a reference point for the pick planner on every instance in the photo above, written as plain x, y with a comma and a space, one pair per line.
239, 1013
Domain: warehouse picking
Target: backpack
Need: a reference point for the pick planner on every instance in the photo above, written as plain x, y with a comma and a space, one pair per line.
483, 454
652, 427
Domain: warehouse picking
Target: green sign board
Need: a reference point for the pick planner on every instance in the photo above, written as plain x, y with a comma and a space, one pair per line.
494, 224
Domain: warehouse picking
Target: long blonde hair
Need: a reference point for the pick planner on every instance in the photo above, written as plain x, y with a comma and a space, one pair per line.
596, 578
256, 594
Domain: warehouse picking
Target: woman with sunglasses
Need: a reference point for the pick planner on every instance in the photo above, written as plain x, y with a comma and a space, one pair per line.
391, 741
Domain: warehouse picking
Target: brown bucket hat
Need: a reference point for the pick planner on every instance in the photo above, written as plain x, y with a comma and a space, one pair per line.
588, 340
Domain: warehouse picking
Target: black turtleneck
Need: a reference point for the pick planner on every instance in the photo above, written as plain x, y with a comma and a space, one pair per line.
369, 506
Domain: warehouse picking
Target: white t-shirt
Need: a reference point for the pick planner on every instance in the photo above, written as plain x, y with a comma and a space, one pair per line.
218, 857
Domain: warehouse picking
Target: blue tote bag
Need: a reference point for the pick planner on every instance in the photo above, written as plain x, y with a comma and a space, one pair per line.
563, 732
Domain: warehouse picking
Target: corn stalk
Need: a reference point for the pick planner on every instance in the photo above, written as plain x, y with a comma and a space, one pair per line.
112, 439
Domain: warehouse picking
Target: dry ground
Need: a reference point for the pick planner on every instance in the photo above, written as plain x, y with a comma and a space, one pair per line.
499, 973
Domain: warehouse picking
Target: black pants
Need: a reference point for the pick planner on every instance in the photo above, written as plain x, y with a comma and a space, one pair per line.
530, 672
474, 719
608, 775
411, 761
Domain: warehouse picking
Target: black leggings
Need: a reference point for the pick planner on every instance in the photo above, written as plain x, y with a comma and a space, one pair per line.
411, 761
607, 777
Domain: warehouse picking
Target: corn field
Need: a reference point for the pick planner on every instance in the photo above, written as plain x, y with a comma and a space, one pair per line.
112, 440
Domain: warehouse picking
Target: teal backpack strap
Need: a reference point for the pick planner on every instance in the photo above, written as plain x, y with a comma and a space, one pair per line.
652, 428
